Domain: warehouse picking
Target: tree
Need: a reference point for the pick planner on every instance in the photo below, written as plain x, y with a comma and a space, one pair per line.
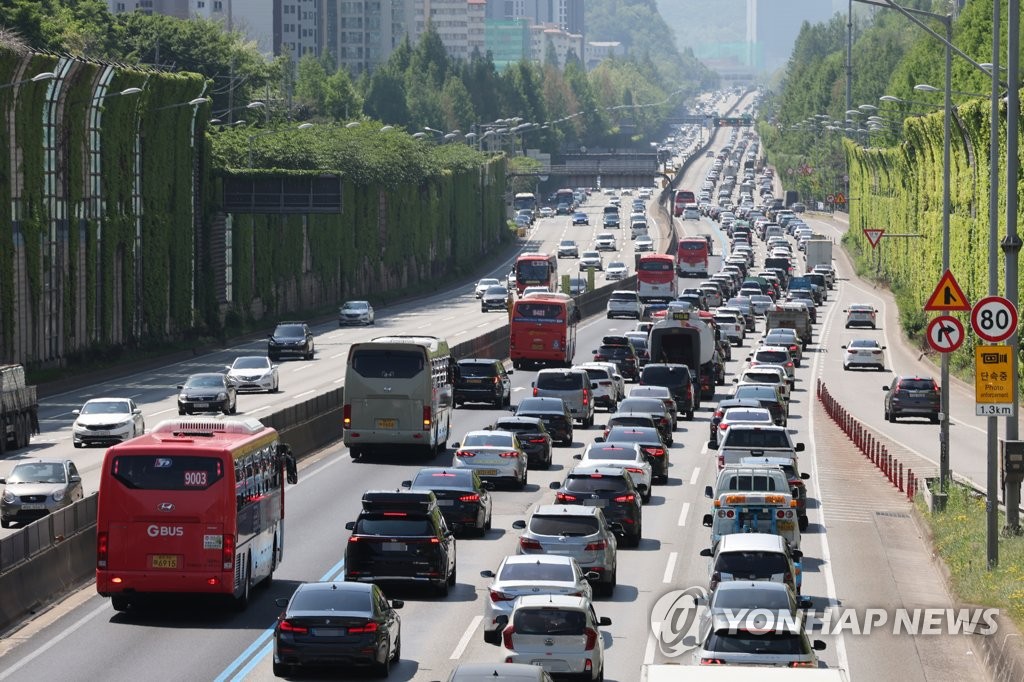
456, 105
341, 99
311, 83
385, 98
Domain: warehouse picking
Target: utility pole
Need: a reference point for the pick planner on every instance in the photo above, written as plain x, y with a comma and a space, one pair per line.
992, 423
849, 56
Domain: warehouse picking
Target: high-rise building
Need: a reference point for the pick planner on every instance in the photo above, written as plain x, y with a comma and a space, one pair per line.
459, 24
361, 35
508, 41
566, 14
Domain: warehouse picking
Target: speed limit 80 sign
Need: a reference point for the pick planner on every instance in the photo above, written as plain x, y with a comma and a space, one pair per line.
994, 318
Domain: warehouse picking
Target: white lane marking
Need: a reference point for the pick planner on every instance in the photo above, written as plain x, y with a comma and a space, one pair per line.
265, 407
55, 641
482, 324
683, 513
460, 648
652, 644
670, 568
518, 388
450, 317
309, 392
162, 412
302, 368
694, 476
338, 355
460, 333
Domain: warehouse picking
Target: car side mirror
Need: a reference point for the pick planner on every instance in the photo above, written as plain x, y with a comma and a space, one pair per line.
708, 520
274, 366
488, 485
804, 603
270, 336
592, 575
578, 456
351, 525
599, 439
796, 554
76, 412
843, 347
883, 347
799, 447
554, 485
712, 446
708, 492
281, 601
513, 408
75, 478
593, 352
510, 371
805, 476
487, 574
519, 524
456, 445
604, 621
818, 645
593, 384
227, 367
706, 552
180, 387
397, 603
3, 481
406, 484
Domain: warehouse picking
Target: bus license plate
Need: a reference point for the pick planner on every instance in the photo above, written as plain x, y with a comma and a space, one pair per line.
394, 547
329, 632
164, 561
387, 423
538, 343
785, 525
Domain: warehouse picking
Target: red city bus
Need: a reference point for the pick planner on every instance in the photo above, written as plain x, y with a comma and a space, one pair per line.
656, 278
536, 270
692, 257
195, 506
543, 331
682, 198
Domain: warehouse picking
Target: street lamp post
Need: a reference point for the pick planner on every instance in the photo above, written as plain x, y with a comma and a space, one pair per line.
992, 426
44, 76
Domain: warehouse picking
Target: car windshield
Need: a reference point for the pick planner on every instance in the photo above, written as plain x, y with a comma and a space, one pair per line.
752, 482
567, 242
460, 480
751, 598
634, 434
106, 407
519, 427
538, 570
863, 343
595, 483
498, 440
251, 363
331, 600
744, 414
393, 526
290, 331
38, 472
497, 291
205, 381
743, 642
551, 622
569, 526
356, 305
616, 265
591, 254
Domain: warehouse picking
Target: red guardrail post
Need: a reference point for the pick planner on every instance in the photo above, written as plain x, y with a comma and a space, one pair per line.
910, 483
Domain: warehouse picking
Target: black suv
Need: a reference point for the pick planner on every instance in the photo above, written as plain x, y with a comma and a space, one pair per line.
677, 379
533, 437
553, 412
400, 537
290, 338
613, 490
619, 349
482, 380
465, 500
912, 396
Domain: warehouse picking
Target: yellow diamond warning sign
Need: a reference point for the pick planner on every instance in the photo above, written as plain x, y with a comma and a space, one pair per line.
947, 295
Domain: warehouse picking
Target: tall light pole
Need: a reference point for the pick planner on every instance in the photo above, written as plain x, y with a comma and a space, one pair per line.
44, 76
992, 427
849, 55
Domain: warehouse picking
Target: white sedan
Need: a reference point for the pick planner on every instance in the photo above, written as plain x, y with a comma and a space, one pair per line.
494, 455
482, 285
255, 373
616, 270
104, 421
626, 456
863, 353
605, 241
643, 243
355, 312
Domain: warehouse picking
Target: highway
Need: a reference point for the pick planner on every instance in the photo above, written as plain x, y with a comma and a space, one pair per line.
845, 546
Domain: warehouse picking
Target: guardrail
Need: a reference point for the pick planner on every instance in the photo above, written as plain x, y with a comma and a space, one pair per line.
46, 559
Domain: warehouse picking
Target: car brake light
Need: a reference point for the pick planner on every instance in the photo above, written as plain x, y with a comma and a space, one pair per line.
427, 417
370, 627
594, 546
564, 497
288, 626
506, 637
400, 515
501, 596
496, 381
630, 497
591, 639
721, 461
509, 455
536, 440
534, 391
655, 452
527, 543
346, 418
470, 498
712, 661
803, 664
228, 552
463, 453
723, 426
102, 547
586, 396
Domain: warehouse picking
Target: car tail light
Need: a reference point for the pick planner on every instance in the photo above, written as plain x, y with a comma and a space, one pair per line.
527, 543
496, 381
506, 637
564, 497
586, 396
655, 452
228, 552
536, 440
509, 455
712, 661
463, 453
427, 417
346, 418
803, 664
630, 497
788, 578
721, 461
370, 627
534, 391
102, 548
501, 596
591, 639
594, 546
723, 426
288, 626
470, 498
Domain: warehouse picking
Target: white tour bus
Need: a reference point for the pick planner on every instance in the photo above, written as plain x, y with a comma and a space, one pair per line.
398, 395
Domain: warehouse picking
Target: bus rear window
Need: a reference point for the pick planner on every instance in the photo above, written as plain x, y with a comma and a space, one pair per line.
655, 266
378, 363
693, 246
167, 472
539, 312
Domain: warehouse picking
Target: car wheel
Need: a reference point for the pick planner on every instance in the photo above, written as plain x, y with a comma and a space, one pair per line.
567, 442
180, 411
525, 479
689, 415
547, 462
277, 386
892, 417
846, 368
803, 523
383, 669
4, 523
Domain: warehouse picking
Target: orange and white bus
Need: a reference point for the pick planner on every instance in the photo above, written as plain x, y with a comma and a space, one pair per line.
692, 257
542, 331
656, 278
680, 200
195, 506
536, 270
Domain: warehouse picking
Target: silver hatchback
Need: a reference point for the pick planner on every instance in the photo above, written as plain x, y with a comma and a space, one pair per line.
576, 531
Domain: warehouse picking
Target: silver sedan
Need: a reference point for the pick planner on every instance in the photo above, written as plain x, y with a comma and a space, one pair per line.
255, 373
532, 574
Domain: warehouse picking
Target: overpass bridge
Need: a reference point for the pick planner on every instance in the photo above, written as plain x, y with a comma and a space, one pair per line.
601, 170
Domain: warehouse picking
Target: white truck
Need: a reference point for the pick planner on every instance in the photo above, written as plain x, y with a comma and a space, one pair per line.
668, 672
754, 512
817, 252
747, 440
